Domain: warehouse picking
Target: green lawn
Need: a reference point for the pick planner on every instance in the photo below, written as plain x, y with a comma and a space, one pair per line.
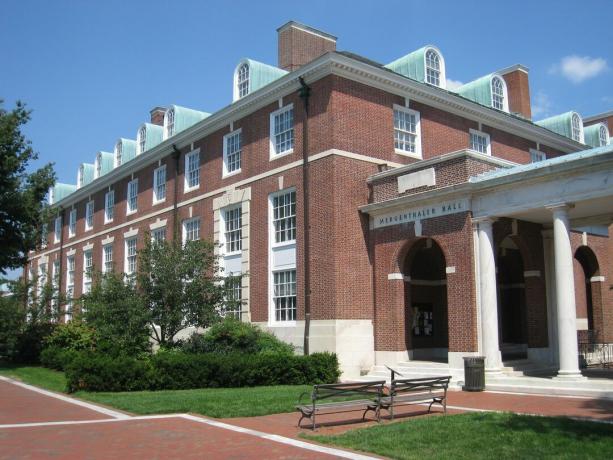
214, 402
481, 436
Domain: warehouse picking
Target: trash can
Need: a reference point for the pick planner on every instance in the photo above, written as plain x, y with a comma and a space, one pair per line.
474, 373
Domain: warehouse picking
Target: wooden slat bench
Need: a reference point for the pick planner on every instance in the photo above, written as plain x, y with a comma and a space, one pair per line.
354, 396
412, 391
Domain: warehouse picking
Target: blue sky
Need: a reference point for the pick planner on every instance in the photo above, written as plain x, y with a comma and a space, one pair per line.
91, 71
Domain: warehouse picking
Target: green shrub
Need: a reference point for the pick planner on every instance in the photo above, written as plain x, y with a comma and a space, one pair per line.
57, 358
74, 335
30, 342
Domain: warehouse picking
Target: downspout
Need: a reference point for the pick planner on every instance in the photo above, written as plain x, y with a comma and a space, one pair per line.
177, 156
305, 93
60, 268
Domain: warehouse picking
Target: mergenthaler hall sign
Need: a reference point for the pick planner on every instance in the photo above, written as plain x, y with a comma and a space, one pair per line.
423, 212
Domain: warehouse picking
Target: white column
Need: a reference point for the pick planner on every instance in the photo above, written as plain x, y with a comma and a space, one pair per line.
565, 295
550, 290
489, 300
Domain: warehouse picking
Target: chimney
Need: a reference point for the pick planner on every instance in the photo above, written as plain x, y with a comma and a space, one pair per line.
157, 116
518, 87
300, 44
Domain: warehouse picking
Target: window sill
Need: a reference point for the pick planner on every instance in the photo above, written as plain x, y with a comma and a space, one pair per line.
129, 213
110, 221
283, 244
274, 156
282, 323
404, 153
156, 202
232, 254
191, 189
89, 229
230, 174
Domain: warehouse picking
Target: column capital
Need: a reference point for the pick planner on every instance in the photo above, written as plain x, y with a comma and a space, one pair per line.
486, 220
559, 207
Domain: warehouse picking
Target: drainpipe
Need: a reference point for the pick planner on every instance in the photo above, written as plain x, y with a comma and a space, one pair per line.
177, 156
60, 268
305, 93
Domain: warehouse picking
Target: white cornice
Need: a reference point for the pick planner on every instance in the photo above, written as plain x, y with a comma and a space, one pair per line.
513, 68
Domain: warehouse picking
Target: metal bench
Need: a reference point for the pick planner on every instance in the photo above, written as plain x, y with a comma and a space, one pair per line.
351, 396
413, 391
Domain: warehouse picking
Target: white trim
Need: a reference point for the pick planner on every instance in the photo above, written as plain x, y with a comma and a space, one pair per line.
308, 29
505, 92
188, 155
72, 223
184, 225
130, 233
450, 269
158, 224
395, 276
273, 154
108, 240
418, 153
88, 247
126, 240
597, 279
130, 211
441, 60
154, 197
224, 167
482, 134
106, 206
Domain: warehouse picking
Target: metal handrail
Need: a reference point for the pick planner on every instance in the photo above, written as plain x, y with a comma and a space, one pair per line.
394, 372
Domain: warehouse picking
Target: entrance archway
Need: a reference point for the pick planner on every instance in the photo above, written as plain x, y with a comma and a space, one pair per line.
426, 327
585, 294
512, 315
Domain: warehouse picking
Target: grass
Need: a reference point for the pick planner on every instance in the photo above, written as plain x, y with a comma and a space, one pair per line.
35, 375
481, 436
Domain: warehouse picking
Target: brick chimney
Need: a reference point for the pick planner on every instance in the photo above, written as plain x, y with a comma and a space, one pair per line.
518, 87
157, 116
300, 44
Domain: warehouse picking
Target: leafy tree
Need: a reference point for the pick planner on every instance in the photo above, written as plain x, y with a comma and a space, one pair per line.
181, 285
22, 194
12, 322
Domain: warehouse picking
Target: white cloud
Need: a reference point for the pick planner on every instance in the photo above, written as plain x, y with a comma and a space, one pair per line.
541, 105
579, 68
452, 85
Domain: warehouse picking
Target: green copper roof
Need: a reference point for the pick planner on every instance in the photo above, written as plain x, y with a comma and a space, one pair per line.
105, 163
153, 134
260, 74
591, 134
60, 191
86, 173
184, 117
561, 124
412, 65
479, 90
128, 149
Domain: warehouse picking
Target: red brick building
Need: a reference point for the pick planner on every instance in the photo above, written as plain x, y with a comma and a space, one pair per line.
412, 221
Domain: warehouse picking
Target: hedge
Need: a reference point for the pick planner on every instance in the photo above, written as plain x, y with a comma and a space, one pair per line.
178, 370
57, 358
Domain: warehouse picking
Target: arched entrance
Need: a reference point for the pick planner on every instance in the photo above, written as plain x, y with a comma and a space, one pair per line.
426, 325
512, 316
585, 294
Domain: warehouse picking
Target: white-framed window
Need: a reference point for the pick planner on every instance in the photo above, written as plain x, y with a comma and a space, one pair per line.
433, 67
576, 128
232, 230
232, 149
42, 279
142, 139
72, 223
169, 123
480, 142
132, 197
130, 258
234, 297
70, 270
407, 131
44, 235
284, 295
284, 216
159, 184
55, 283
603, 135
537, 155
282, 131
498, 101
80, 176
88, 266
57, 229
107, 258
191, 229
242, 80
192, 170
98, 162
89, 215
158, 235
118, 153
109, 206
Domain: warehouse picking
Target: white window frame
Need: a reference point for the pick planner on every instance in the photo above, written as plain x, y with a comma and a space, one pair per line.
132, 197
603, 140
243, 75
575, 116
70, 279
118, 154
505, 99
141, 141
488, 147
109, 206
537, 155
188, 157
274, 298
169, 123
87, 271
107, 260
72, 223
55, 278
441, 69
89, 215
224, 230
273, 148
187, 222
57, 229
418, 153
226, 153
155, 234
127, 256
273, 230
157, 184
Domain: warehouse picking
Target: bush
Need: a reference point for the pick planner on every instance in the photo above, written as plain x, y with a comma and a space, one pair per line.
74, 335
232, 336
57, 358
30, 342
179, 370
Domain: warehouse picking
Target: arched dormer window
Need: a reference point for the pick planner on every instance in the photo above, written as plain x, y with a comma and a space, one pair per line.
242, 80
169, 123
603, 135
576, 127
434, 68
498, 93
80, 177
98, 166
118, 153
142, 139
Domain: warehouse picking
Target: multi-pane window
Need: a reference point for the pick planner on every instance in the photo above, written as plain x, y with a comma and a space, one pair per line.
107, 258
109, 206
43, 235
232, 152
603, 136
57, 229
132, 198
433, 68
576, 127
282, 130
480, 142
158, 235
159, 184
232, 231
88, 266
243, 80
169, 121
80, 176
284, 216
70, 269
130, 267
118, 153
284, 295
497, 93
406, 131
89, 215
234, 297
192, 170
191, 230
55, 283
72, 223
42, 279
142, 139
98, 166
537, 155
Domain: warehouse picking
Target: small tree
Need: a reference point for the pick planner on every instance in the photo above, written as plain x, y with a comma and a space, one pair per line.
12, 322
181, 286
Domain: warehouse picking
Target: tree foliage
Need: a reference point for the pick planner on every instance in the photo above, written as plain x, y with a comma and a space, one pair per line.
22, 193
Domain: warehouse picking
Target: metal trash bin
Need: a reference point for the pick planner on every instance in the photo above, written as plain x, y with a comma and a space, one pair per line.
474, 373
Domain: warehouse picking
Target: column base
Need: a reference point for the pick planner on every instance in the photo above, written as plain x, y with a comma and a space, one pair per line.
569, 376
493, 371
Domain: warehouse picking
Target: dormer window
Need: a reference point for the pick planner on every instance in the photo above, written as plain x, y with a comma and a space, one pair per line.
118, 152
603, 135
576, 127
243, 80
142, 139
433, 68
80, 176
497, 93
169, 123
98, 166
